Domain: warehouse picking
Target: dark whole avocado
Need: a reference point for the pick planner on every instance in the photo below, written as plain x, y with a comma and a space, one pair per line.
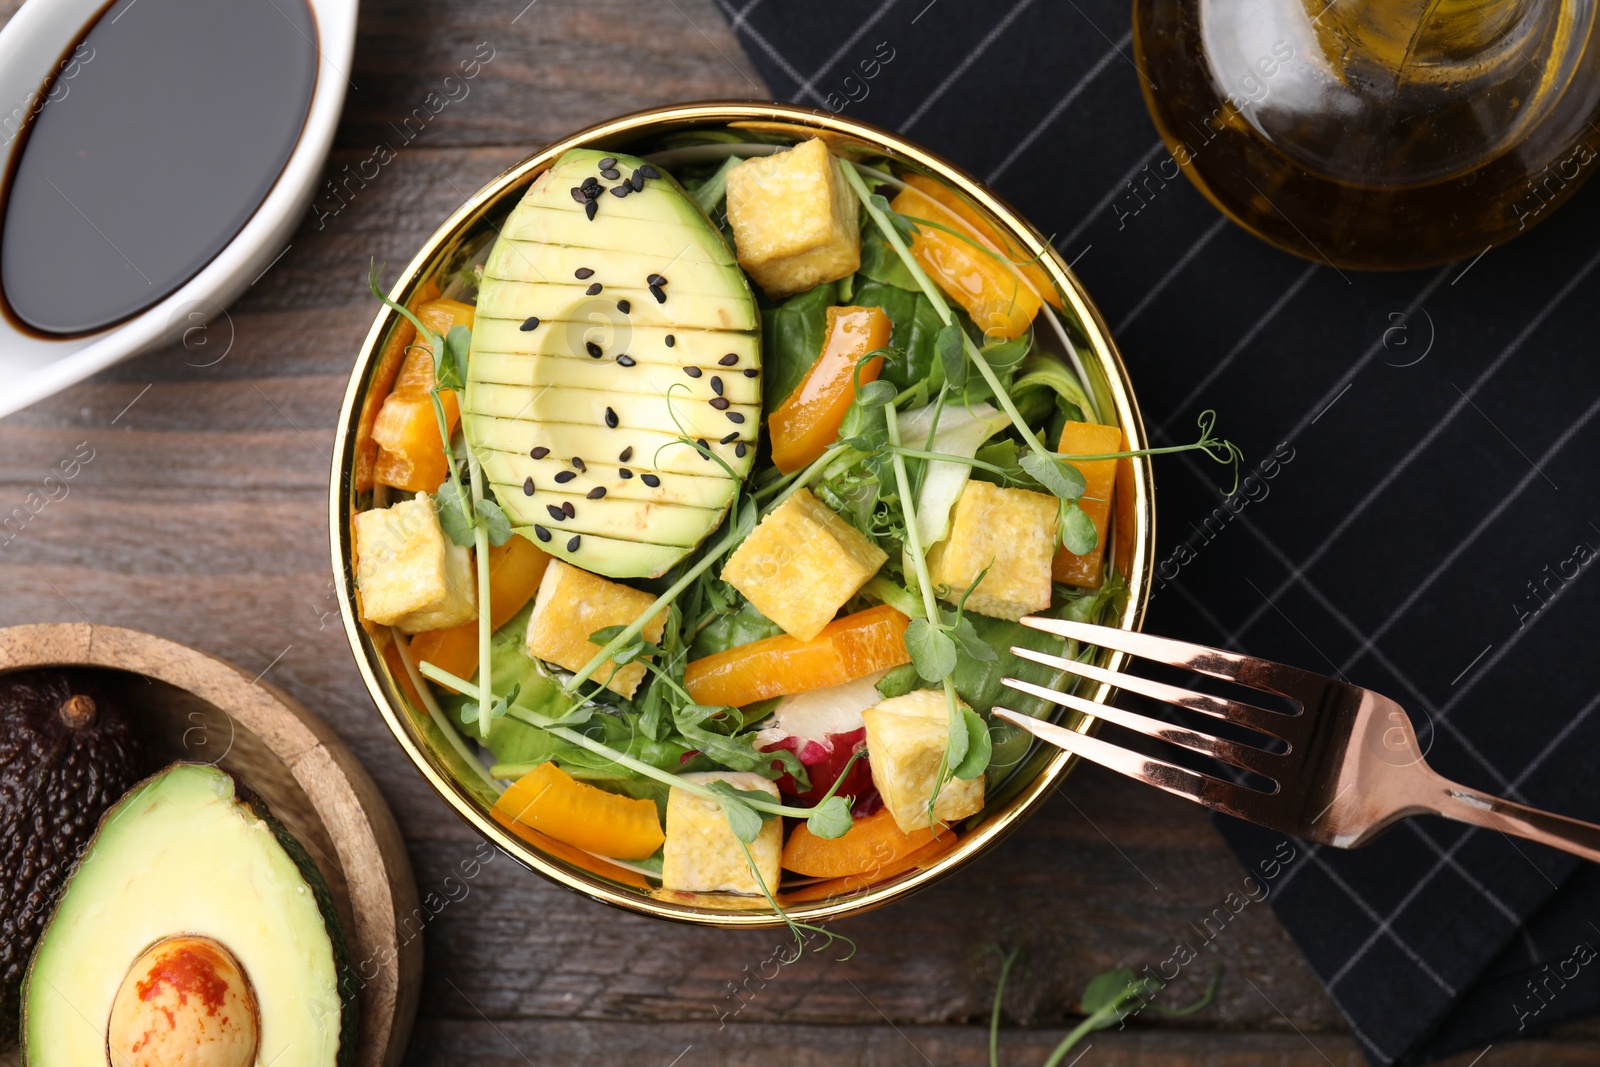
68, 752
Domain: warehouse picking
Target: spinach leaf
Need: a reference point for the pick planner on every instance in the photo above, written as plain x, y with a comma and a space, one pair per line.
739, 627
915, 325
880, 263
699, 724
792, 336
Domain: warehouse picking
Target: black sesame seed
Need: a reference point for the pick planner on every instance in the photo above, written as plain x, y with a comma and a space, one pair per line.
611, 418
627, 454
568, 510
590, 208
739, 450
593, 349
610, 174
596, 493
572, 545
624, 473
750, 372
591, 182
583, 273
651, 480
577, 194
541, 533
593, 290
637, 181
527, 486
693, 372
620, 191
556, 512
592, 192
656, 279
577, 461
716, 385
705, 449
626, 360
671, 340
729, 360
529, 323
720, 403
657, 292
563, 477
624, 307
734, 416
607, 163
539, 452
730, 439
649, 172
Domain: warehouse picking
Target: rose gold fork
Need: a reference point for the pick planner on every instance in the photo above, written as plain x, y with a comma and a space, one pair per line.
1351, 768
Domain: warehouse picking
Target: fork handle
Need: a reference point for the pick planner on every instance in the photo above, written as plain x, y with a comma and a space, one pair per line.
1558, 831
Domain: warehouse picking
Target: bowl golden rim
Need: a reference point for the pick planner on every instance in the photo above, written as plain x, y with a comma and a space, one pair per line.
999, 823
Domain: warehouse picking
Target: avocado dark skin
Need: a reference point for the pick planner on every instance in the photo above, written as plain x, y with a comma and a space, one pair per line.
67, 753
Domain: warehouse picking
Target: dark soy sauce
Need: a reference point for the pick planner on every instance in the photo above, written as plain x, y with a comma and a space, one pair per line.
158, 140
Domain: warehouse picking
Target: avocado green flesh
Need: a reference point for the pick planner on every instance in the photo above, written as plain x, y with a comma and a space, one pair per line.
657, 452
647, 379
604, 555
535, 383
671, 413
616, 333
181, 854
514, 468
527, 261
572, 303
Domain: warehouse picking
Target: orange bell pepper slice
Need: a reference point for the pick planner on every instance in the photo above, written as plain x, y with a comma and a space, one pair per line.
1033, 274
394, 353
846, 649
981, 281
556, 804
872, 843
807, 422
410, 450
575, 856
1090, 439
854, 883
515, 570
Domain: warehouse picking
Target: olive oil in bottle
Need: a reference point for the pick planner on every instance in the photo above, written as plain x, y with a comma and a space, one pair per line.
1377, 134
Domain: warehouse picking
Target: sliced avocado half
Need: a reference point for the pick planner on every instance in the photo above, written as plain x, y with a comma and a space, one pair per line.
184, 858
615, 337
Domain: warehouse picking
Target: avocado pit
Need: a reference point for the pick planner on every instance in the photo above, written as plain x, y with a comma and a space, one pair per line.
184, 1003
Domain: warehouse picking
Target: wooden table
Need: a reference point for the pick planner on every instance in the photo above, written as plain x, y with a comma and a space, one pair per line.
202, 518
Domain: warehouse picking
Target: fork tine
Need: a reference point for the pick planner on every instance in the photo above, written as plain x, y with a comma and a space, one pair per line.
1219, 663
1214, 793
1258, 760
1275, 723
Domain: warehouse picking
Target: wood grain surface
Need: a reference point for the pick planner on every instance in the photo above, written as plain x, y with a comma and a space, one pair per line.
202, 517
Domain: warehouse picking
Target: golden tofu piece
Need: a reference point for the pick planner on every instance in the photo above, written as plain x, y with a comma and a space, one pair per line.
572, 604
1010, 531
906, 740
800, 565
794, 218
702, 855
409, 574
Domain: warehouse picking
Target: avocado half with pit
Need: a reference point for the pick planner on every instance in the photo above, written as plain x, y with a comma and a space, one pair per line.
195, 930
614, 382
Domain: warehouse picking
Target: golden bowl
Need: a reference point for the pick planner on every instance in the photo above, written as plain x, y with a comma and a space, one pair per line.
439, 759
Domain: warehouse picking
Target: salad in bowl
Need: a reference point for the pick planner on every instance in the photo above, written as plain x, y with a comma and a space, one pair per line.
693, 482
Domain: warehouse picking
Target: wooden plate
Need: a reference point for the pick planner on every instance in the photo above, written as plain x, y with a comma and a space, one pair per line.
197, 707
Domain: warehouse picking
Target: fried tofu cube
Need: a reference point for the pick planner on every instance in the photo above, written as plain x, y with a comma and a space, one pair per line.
906, 740
702, 855
570, 605
1010, 531
795, 220
800, 565
409, 574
